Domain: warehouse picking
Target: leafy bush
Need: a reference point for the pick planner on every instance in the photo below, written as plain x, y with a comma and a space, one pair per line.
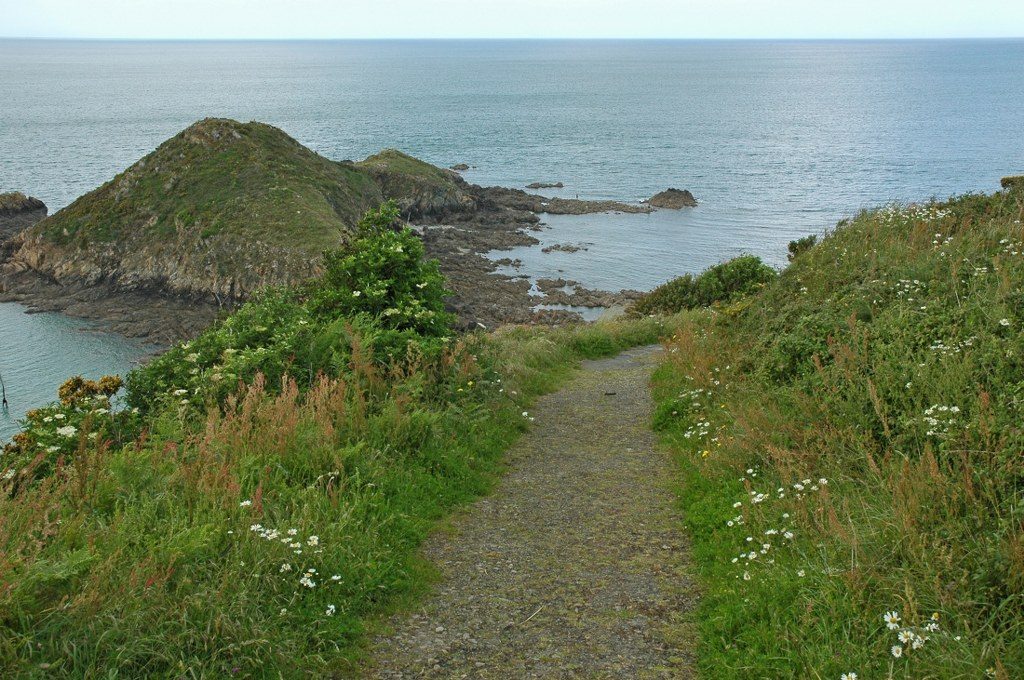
725, 282
800, 245
378, 287
382, 275
54, 434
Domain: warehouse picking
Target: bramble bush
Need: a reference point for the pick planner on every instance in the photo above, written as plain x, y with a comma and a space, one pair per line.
722, 283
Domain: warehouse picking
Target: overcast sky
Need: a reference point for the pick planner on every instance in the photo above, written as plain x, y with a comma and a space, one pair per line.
511, 18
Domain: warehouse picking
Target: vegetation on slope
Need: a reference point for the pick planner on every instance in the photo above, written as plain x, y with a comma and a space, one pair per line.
419, 188
223, 209
850, 446
221, 178
721, 283
266, 493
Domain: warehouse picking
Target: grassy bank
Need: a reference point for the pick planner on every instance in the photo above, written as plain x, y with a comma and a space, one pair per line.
265, 496
850, 447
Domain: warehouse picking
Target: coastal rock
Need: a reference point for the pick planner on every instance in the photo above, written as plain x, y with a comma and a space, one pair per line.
224, 209
421, 190
532, 203
460, 167
673, 199
545, 185
563, 248
18, 212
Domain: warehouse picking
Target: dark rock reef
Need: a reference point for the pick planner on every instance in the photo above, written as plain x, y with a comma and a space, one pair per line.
673, 199
545, 185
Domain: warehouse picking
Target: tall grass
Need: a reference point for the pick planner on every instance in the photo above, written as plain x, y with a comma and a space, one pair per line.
850, 447
257, 538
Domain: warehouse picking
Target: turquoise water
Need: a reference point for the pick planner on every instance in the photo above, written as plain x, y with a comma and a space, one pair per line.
40, 351
776, 139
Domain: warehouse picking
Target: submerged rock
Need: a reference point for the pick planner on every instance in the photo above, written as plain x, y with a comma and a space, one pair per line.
673, 199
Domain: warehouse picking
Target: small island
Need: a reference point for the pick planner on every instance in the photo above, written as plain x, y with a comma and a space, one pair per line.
673, 199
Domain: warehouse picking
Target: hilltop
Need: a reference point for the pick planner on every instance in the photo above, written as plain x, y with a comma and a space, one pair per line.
219, 210
224, 209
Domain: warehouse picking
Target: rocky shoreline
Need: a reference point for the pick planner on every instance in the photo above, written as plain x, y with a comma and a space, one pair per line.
500, 219
166, 275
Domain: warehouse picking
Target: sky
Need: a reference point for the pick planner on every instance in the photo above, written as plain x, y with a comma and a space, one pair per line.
339, 19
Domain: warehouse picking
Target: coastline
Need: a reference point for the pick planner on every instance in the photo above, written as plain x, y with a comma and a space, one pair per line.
501, 219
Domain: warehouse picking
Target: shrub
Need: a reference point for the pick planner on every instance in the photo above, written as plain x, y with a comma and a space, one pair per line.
800, 245
382, 276
725, 282
379, 287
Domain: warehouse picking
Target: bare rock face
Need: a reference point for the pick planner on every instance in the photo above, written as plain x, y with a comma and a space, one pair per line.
17, 212
673, 199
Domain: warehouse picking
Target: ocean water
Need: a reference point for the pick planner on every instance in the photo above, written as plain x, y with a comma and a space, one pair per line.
40, 351
776, 139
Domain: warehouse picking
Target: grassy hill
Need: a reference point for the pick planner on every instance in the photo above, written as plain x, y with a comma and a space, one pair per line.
850, 443
223, 207
419, 188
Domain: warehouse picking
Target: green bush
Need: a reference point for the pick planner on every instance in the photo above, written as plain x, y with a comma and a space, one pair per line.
800, 245
382, 275
379, 287
725, 282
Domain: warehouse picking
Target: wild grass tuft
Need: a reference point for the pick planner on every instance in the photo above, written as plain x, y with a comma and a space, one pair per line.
849, 442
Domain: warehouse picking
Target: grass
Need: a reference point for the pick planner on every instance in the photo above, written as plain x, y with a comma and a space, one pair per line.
167, 556
850, 445
220, 179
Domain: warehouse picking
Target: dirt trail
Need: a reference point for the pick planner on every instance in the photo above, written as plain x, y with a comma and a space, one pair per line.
575, 567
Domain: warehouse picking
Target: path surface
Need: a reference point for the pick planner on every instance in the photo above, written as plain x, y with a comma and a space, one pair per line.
575, 567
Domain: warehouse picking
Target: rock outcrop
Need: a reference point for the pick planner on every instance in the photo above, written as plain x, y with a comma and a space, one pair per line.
545, 185
17, 212
224, 209
673, 199
215, 213
421, 190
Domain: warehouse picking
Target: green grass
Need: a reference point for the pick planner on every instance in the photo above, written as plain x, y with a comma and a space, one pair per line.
140, 560
225, 180
888, 360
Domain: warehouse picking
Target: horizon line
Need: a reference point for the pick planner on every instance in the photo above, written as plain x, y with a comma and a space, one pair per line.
512, 38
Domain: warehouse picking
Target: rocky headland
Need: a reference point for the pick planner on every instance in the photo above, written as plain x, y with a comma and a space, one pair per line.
17, 212
224, 209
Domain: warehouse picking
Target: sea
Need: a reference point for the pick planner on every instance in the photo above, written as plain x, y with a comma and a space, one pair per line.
775, 139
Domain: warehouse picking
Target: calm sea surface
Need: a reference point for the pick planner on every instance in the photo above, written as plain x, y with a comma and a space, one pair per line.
776, 139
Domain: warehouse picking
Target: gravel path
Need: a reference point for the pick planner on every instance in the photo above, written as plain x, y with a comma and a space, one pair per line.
575, 567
